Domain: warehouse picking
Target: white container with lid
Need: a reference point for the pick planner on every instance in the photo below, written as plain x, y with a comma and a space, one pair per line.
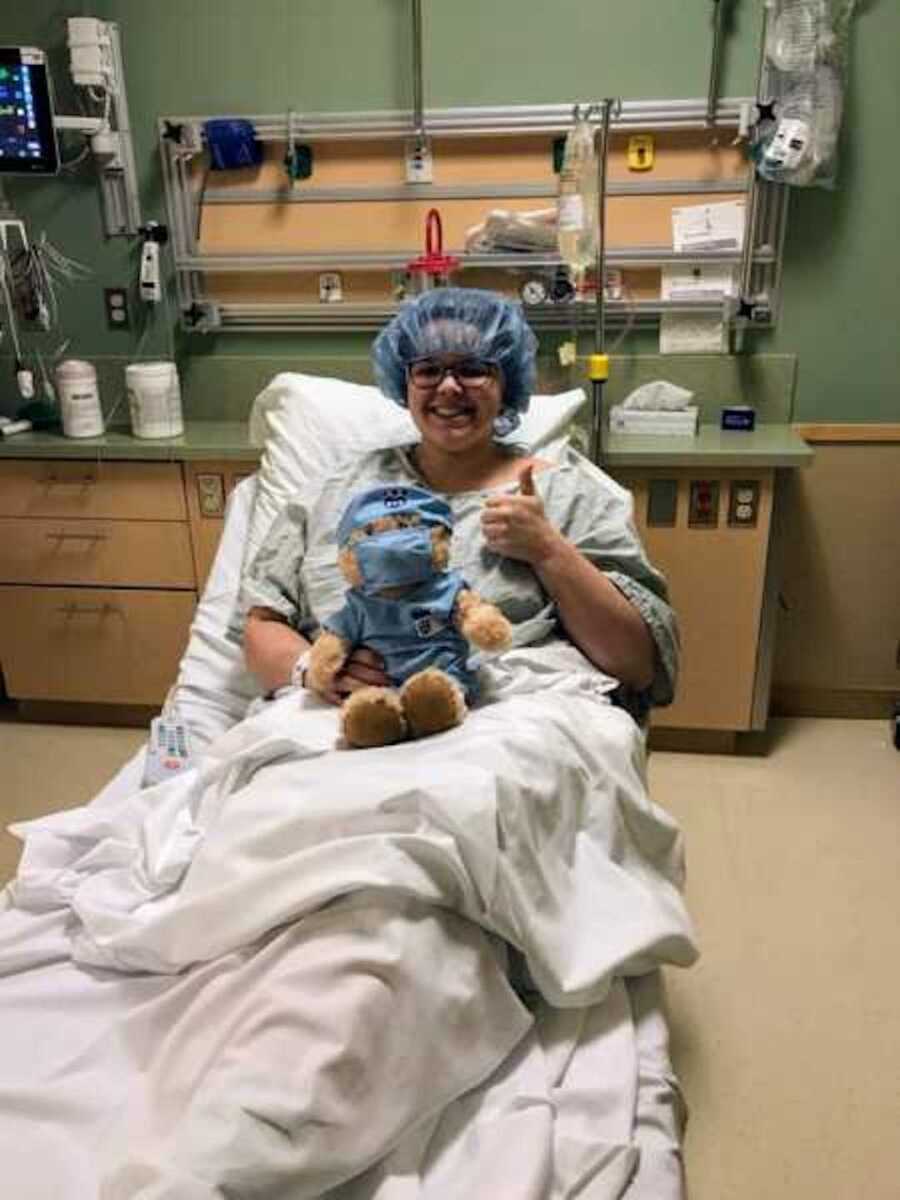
154, 397
79, 399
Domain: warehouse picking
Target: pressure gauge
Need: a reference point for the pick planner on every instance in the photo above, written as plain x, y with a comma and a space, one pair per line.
534, 291
562, 290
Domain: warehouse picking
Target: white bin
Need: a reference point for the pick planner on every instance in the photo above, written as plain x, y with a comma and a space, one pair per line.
79, 399
154, 397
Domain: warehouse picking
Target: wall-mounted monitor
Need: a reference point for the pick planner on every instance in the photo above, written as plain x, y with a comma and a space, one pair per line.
27, 136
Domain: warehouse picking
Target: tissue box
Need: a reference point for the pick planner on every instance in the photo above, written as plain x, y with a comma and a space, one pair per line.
667, 423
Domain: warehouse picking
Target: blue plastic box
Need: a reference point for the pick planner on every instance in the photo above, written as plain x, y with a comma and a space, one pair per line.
739, 416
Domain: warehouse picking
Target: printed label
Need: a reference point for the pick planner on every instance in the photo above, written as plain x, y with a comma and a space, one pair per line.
571, 212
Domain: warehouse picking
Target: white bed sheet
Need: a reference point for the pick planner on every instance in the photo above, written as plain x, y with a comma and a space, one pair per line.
588, 1098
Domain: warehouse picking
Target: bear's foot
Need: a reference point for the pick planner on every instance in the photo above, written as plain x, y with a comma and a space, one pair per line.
373, 716
432, 702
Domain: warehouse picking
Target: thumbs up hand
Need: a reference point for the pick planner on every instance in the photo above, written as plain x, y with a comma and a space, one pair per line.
517, 526
526, 480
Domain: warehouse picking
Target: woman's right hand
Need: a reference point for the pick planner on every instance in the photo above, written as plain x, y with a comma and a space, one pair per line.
364, 668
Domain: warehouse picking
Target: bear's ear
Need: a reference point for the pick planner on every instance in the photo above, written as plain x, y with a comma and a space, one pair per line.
349, 566
440, 547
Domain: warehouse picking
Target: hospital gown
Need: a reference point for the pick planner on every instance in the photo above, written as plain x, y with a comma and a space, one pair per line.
295, 571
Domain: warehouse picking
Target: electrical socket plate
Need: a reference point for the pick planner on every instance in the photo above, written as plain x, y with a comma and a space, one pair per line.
419, 162
117, 315
211, 495
192, 137
614, 282
331, 287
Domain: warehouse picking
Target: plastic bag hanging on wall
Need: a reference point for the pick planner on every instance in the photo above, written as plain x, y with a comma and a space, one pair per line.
807, 53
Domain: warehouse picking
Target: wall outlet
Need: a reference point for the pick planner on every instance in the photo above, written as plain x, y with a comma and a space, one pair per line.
331, 287
211, 495
419, 162
614, 282
116, 302
703, 510
743, 504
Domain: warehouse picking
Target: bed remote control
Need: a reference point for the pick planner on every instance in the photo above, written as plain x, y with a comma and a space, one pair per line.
168, 751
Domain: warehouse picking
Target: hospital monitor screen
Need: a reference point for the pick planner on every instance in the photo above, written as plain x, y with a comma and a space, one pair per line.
27, 137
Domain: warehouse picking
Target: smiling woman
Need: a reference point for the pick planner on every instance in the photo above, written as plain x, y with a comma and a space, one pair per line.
463, 362
460, 326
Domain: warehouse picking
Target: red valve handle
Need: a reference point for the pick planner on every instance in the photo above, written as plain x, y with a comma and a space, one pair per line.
434, 261
434, 233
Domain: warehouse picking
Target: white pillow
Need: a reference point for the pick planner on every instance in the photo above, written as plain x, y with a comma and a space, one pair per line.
308, 424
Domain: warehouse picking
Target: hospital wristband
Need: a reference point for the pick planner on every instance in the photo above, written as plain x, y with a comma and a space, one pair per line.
299, 669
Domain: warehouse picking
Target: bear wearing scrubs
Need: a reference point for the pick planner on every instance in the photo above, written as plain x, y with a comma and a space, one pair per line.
405, 604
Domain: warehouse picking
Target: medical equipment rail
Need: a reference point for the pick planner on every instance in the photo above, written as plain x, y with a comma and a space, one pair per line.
182, 140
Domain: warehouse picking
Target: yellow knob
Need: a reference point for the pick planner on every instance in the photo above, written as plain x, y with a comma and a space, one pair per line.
598, 366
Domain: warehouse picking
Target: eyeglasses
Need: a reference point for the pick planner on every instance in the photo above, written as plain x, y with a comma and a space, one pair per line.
469, 373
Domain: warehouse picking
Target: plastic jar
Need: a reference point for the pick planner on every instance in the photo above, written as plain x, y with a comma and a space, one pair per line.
79, 399
154, 398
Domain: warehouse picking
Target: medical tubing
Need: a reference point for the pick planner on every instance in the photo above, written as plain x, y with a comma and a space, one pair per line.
807, 47
630, 317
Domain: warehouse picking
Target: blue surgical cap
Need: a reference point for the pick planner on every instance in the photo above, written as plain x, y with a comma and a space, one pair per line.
460, 321
390, 500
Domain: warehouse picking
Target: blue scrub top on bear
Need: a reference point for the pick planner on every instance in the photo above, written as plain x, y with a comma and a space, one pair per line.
410, 633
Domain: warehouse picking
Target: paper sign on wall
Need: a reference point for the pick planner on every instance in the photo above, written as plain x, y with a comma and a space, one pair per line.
708, 226
704, 281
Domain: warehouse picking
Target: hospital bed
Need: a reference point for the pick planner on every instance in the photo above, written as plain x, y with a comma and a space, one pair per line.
583, 1103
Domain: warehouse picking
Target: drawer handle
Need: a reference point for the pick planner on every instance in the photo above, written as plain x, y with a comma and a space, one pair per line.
88, 610
68, 481
76, 537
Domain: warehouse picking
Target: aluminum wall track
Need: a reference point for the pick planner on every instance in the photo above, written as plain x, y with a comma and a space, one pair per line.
181, 140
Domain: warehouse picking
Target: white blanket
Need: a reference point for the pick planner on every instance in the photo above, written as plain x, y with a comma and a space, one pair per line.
321, 909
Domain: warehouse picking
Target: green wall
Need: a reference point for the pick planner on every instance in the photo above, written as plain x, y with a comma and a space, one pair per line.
254, 56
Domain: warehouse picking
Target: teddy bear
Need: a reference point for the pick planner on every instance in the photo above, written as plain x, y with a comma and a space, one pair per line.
407, 605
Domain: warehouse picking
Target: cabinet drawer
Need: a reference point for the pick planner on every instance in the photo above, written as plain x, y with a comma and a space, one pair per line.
91, 644
52, 488
119, 553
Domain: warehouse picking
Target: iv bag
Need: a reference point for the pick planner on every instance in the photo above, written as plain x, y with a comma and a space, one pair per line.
578, 207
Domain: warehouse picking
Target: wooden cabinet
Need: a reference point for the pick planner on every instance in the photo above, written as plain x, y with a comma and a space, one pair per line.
101, 565
840, 649
720, 572
97, 580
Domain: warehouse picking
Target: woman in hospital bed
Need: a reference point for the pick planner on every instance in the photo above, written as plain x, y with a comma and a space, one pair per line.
463, 362
298, 956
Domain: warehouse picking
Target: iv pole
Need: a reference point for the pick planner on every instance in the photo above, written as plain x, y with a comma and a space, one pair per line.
598, 362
